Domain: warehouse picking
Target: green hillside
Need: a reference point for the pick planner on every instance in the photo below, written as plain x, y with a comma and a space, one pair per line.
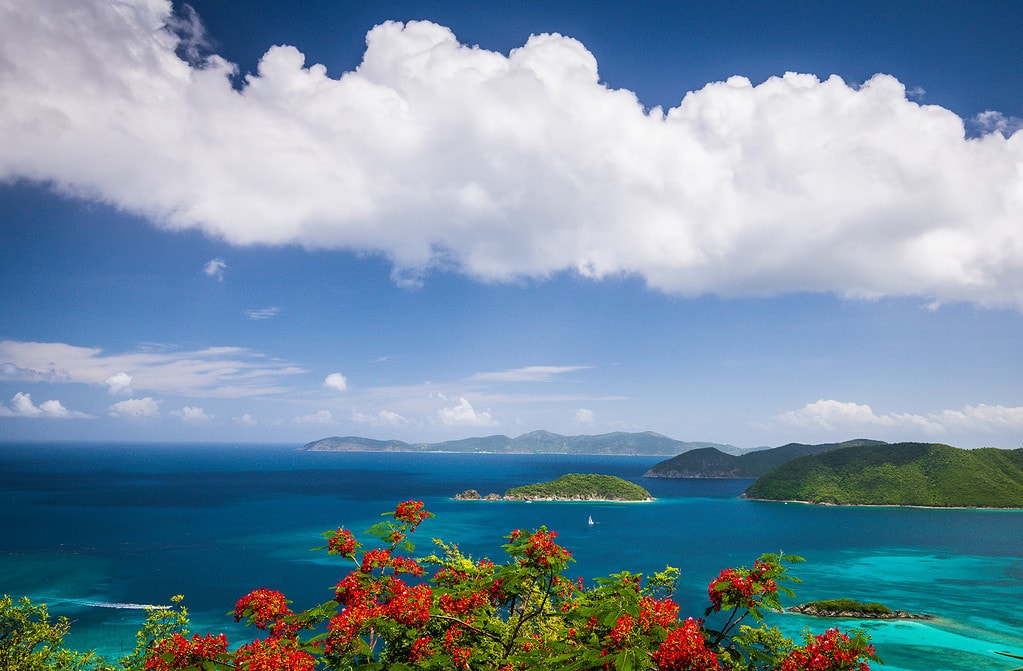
581, 487
907, 474
713, 463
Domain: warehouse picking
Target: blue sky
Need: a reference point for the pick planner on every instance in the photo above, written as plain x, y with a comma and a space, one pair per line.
750, 224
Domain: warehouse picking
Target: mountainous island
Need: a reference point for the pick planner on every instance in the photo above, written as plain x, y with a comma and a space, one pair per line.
710, 462
535, 442
570, 487
904, 474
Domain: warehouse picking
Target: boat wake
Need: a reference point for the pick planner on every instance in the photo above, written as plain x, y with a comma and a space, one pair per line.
106, 604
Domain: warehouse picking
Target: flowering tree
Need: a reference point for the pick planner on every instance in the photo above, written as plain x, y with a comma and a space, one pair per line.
452, 612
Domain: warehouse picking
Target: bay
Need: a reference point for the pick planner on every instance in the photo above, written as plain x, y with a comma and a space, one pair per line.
98, 530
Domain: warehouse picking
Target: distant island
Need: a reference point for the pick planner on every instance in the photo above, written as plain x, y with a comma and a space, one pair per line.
535, 442
848, 608
570, 487
710, 462
902, 474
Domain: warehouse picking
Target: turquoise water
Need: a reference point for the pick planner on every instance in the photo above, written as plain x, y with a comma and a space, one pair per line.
97, 531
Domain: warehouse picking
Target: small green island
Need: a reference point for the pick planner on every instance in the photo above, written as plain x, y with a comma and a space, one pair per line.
849, 608
570, 487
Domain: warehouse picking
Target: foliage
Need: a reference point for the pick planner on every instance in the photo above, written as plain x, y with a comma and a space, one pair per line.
454, 612
710, 462
31, 641
582, 486
917, 474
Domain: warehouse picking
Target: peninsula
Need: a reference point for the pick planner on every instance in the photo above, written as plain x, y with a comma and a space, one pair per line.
900, 474
570, 487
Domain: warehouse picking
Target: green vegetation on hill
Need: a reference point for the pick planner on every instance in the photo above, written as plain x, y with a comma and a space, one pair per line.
577, 486
712, 463
908, 474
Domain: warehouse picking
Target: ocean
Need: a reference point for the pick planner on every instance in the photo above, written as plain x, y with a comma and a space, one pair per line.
97, 531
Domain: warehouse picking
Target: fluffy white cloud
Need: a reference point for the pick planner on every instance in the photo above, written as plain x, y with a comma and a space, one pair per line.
246, 420
584, 416
136, 408
192, 415
463, 414
832, 415
503, 166
22, 406
215, 268
335, 381
226, 372
119, 383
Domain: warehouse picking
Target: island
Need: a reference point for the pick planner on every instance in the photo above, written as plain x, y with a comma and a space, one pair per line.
848, 608
710, 462
570, 487
899, 474
534, 442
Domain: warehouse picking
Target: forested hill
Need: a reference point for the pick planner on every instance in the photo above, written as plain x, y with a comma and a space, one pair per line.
713, 463
535, 442
905, 474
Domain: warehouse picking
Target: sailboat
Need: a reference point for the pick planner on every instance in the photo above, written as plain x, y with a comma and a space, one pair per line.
590, 522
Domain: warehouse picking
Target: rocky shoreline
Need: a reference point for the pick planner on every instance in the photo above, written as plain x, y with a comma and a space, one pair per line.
473, 495
814, 610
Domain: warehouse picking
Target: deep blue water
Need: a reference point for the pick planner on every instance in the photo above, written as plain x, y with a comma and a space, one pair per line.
85, 527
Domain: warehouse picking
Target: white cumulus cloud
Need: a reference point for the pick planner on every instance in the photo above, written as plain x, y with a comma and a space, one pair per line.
382, 418
584, 416
23, 406
335, 381
192, 415
136, 408
464, 414
502, 166
119, 383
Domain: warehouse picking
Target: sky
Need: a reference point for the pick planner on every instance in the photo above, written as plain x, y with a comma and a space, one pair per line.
745, 223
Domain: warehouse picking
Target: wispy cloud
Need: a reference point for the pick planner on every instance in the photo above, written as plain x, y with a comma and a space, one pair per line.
834, 415
215, 268
226, 372
263, 313
527, 374
793, 184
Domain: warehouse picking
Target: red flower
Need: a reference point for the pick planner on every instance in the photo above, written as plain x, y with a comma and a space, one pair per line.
619, 633
178, 652
685, 649
342, 543
273, 654
264, 607
411, 513
830, 651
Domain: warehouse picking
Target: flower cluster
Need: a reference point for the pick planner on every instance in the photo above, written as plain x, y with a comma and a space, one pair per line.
343, 543
179, 652
831, 651
263, 608
273, 654
411, 513
685, 649
741, 587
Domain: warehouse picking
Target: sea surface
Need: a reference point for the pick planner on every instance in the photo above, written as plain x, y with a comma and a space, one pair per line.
97, 531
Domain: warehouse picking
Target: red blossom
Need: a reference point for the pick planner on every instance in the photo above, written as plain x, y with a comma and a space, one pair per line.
179, 652
657, 612
830, 651
411, 513
342, 543
685, 649
420, 650
273, 654
263, 607
375, 559
619, 633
